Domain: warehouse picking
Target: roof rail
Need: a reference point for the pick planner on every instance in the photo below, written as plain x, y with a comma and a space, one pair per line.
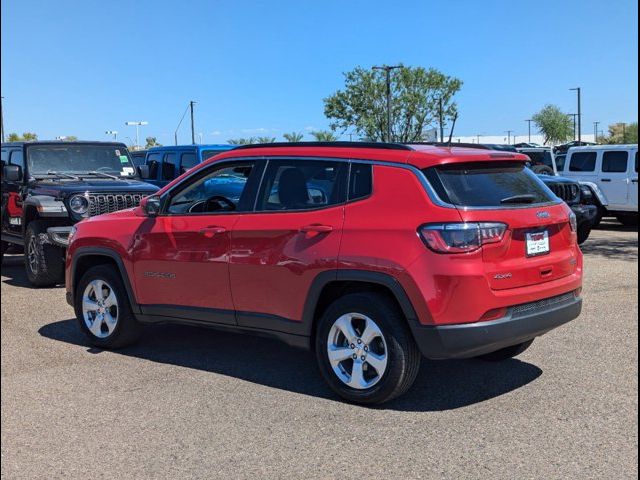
378, 145
478, 146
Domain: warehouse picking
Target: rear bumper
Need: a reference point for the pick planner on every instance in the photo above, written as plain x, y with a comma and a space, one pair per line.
521, 324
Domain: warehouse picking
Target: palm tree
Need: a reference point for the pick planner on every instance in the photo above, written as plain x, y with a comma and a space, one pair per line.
293, 137
265, 139
324, 136
241, 141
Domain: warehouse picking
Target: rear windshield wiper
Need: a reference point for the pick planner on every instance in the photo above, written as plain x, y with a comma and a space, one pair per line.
527, 198
62, 174
102, 174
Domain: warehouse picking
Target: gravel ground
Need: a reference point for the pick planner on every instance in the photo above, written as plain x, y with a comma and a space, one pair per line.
194, 403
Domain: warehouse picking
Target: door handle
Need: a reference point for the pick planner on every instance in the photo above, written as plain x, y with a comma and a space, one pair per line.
605, 180
316, 228
635, 180
211, 232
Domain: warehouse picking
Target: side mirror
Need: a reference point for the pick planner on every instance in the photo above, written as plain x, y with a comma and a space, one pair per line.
12, 173
151, 206
143, 170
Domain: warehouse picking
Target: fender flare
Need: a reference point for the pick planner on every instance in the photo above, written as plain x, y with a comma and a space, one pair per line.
46, 206
597, 193
113, 255
364, 276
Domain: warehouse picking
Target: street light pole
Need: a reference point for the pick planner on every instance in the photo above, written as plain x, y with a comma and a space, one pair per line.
579, 91
137, 125
2, 118
441, 118
387, 69
595, 131
575, 126
529, 122
112, 132
509, 132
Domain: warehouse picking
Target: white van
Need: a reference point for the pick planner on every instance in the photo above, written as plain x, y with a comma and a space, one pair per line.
614, 169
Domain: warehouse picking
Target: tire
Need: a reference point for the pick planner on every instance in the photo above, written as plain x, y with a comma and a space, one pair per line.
599, 216
507, 352
43, 261
123, 329
628, 220
543, 170
393, 343
584, 230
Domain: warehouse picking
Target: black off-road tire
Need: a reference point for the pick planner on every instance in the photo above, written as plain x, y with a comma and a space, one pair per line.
584, 230
43, 261
628, 220
403, 354
5, 245
507, 352
127, 330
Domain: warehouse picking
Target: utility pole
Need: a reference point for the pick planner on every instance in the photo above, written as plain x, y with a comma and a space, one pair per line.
112, 132
509, 132
595, 131
193, 132
387, 69
441, 118
624, 133
575, 125
579, 91
478, 137
529, 122
2, 118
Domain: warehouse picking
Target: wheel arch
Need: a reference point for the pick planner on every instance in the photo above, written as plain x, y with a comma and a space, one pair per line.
88, 257
328, 286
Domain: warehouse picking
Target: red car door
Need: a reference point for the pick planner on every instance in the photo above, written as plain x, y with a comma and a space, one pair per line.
293, 235
181, 257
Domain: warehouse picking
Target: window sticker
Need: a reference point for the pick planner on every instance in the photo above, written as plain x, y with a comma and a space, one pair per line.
124, 159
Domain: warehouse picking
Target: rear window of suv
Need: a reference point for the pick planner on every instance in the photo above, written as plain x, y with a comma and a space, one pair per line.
495, 184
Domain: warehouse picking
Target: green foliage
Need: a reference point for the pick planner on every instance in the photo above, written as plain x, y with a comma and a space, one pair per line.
265, 140
621, 133
324, 136
293, 137
152, 142
25, 137
242, 141
415, 96
554, 125
71, 138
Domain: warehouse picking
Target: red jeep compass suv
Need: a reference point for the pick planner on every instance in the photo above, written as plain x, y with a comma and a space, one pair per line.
370, 254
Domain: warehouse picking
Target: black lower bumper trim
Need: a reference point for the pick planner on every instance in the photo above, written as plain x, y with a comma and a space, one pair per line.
473, 339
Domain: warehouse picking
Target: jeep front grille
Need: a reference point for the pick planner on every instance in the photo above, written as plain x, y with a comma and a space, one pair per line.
568, 192
541, 305
100, 203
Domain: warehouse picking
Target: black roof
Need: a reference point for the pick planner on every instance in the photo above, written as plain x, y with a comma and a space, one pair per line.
61, 142
379, 145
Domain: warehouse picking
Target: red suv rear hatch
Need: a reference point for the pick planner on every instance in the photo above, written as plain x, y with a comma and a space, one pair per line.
539, 244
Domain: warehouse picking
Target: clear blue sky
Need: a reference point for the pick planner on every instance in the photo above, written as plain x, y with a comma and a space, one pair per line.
263, 67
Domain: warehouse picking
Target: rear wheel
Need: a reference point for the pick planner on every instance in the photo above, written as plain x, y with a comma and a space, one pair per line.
44, 262
599, 216
103, 311
506, 353
365, 350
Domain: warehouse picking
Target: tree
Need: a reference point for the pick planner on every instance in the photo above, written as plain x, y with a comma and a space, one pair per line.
415, 98
620, 133
555, 126
324, 136
152, 142
26, 137
265, 139
71, 138
241, 141
293, 137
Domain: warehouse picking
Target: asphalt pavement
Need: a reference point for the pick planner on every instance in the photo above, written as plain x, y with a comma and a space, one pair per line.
195, 403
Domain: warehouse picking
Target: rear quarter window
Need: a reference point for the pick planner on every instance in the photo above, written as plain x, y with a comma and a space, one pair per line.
615, 161
490, 184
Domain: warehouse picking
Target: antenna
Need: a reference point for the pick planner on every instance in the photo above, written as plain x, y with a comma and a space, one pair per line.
453, 125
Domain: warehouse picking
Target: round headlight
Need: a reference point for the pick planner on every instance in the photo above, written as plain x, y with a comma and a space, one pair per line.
79, 204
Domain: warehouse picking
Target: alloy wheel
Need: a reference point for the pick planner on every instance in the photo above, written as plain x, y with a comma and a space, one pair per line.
100, 308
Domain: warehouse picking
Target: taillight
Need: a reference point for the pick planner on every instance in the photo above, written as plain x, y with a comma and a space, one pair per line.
573, 222
461, 237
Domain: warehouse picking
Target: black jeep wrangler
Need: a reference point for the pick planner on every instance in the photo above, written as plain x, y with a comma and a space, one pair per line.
49, 186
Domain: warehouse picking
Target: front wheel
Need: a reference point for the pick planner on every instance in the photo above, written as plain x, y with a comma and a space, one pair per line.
507, 352
365, 350
44, 262
103, 311
584, 230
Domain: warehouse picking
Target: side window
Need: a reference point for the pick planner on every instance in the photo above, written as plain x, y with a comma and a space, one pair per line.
302, 185
210, 153
560, 161
360, 181
219, 190
615, 162
153, 161
169, 166
187, 161
583, 162
17, 158
636, 167
5, 157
